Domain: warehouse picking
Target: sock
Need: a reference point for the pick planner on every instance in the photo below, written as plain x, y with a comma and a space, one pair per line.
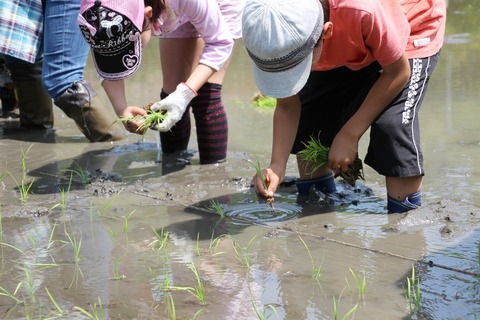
177, 138
411, 202
325, 184
211, 123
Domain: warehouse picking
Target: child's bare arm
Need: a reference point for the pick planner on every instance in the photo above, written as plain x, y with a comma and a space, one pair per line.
345, 145
285, 125
115, 91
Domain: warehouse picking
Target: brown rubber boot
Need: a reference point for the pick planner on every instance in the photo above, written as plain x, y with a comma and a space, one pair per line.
35, 105
95, 121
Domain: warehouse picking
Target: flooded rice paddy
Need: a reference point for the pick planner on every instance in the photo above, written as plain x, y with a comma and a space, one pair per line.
120, 231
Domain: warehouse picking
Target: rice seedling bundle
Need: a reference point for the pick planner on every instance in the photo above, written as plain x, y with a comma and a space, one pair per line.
151, 119
316, 154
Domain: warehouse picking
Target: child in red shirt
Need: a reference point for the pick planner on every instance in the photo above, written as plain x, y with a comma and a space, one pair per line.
337, 69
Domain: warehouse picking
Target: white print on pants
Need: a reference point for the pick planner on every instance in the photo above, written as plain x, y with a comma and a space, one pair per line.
412, 91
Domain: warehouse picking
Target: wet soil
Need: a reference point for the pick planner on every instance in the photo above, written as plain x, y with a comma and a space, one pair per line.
451, 218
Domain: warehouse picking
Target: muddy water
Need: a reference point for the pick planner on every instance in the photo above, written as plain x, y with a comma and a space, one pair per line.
127, 244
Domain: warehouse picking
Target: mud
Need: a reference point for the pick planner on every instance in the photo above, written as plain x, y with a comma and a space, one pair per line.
450, 218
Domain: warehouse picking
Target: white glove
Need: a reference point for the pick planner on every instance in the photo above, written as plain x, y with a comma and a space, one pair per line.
175, 105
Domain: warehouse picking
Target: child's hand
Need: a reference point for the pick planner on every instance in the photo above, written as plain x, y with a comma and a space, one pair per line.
342, 153
133, 113
272, 181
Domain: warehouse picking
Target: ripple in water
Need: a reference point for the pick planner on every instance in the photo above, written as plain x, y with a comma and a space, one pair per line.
263, 212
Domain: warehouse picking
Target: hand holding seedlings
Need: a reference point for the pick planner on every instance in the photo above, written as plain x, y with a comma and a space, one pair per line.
173, 107
140, 123
264, 182
316, 155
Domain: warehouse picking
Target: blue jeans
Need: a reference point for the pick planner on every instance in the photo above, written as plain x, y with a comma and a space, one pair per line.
65, 50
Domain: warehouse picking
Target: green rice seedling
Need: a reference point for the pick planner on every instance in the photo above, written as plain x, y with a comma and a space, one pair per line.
82, 174
109, 203
29, 311
34, 242
23, 187
116, 274
4, 174
6, 293
266, 314
412, 293
197, 245
315, 155
316, 269
92, 219
217, 208
23, 159
111, 232
258, 169
162, 286
151, 119
197, 315
336, 305
166, 284
96, 311
63, 197
63, 202
75, 244
51, 241
160, 239
29, 283
59, 312
41, 265
264, 102
125, 221
199, 290
11, 247
214, 243
172, 313
361, 284
243, 253
76, 248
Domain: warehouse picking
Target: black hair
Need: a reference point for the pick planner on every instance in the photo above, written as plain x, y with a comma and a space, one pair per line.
158, 6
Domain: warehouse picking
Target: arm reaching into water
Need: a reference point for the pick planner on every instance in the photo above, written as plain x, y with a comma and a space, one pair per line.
285, 125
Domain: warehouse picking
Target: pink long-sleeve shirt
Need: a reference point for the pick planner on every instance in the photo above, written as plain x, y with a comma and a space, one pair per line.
206, 16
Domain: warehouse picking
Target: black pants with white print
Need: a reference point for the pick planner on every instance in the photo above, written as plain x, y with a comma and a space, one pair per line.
331, 97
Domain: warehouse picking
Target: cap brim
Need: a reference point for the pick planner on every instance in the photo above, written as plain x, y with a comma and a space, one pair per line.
285, 83
120, 65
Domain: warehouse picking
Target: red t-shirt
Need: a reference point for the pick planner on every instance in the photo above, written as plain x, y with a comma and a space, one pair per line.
427, 20
365, 31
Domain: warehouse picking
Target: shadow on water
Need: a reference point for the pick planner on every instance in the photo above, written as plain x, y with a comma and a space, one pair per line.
104, 165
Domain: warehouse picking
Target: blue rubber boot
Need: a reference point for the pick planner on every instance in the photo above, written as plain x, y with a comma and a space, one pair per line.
325, 184
411, 202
